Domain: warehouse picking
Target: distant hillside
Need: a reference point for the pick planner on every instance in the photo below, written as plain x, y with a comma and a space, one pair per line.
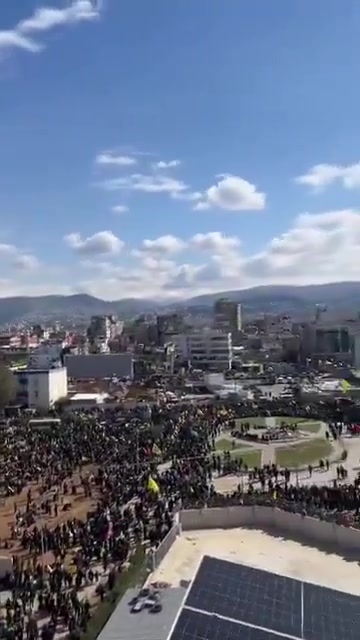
331, 294
337, 296
29, 309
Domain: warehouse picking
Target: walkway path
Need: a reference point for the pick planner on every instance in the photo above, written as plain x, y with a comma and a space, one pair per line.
268, 451
352, 463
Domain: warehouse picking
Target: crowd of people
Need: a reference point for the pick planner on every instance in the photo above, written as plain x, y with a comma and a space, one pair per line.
130, 468
339, 503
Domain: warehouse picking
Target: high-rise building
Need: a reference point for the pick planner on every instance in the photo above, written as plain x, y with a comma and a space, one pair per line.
208, 349
168, 324
227, 315
101, 330
335, 339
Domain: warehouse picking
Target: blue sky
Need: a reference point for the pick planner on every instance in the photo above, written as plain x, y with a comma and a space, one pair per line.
171, 148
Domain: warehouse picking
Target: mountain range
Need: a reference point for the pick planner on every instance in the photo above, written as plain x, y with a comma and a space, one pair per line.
338, 297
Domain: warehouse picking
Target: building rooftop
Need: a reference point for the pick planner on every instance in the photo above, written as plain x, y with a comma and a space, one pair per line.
246, 549
31, 370
124, 625
261, 551
89, 397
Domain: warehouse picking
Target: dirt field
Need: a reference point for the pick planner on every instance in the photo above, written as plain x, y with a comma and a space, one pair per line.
79, 507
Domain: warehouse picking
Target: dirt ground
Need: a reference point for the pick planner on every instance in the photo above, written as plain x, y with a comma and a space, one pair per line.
80, 505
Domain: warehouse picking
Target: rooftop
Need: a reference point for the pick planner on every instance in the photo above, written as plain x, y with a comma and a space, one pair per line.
29, 370
89, 397
214, 604
259, 550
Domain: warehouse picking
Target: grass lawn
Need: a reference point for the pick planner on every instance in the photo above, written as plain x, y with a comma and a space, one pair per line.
303, 454
311, 427
280, 419
259, 421
251, 457
226, 444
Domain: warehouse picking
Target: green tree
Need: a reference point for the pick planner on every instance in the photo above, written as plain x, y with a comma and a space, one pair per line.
7, 386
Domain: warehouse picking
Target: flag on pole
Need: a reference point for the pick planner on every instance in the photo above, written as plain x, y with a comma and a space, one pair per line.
153, 486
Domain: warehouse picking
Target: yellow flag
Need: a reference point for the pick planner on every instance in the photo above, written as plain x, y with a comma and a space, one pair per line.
153, 486
346, 386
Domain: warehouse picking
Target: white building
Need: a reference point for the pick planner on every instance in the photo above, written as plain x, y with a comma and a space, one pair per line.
41, 388
209, 349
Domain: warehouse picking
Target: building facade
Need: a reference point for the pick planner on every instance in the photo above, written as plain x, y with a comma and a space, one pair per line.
209, 349
101, 365
227, 316
332, 340
101, 330
41, 388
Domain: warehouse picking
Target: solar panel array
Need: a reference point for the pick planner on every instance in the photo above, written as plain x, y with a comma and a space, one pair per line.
229, 601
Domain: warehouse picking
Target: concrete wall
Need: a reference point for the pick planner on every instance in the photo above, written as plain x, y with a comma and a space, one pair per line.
157, 556
282, 522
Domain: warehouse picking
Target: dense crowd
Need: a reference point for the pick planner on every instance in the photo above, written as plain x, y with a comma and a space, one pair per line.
339, 503
132, 466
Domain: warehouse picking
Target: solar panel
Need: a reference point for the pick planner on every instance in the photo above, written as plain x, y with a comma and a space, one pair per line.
193, 625
330, 614
229, 601
250, 595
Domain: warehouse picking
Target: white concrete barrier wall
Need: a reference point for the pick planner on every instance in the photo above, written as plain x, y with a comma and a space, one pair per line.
291, 524
157, 556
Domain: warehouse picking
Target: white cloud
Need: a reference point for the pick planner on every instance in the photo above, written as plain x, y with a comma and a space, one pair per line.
321, 176
119, 208
165, 244
26, 262
232, 193
108, 158
45, 19
188, 196
316, 248
214, 241
7, 249
145, 183
101, 243
162, 164
16, 258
